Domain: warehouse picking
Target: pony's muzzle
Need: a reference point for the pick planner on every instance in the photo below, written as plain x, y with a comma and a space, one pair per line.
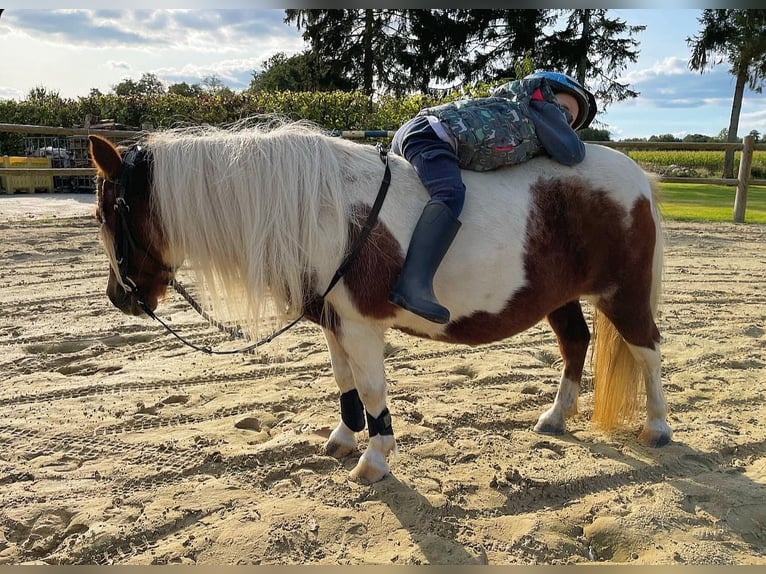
125, 300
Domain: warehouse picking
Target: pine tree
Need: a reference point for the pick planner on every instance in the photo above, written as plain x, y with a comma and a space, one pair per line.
497, 39
593, 49
355, 44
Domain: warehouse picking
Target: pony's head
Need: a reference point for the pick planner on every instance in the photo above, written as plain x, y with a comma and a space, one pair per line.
129, 227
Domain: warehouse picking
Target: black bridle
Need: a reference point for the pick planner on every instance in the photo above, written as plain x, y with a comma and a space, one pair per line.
125, 245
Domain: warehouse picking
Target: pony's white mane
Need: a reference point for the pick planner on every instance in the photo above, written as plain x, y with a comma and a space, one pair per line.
246, 205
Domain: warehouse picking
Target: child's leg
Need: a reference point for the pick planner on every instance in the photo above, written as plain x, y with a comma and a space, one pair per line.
434, 160
437, 166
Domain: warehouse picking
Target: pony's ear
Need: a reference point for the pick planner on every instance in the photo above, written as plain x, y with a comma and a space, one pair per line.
105, 156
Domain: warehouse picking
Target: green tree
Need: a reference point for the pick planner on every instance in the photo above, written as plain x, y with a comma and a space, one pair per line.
184, 89
432, 41
664, 138
46, 107
585, 44
42, 94
738, 37
494, 40
594, 49
126, 87
393, 50
696, 138
149, 84
354, 43
302, 72
402, 51
594, 135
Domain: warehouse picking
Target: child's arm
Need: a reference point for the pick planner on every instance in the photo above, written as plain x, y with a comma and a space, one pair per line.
556, 136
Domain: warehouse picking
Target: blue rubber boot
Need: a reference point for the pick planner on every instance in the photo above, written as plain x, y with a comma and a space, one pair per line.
432, 237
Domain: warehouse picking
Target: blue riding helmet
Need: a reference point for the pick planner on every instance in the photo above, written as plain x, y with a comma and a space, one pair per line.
586, 102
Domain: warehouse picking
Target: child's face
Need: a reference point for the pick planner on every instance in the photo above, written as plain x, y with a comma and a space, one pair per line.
569, 102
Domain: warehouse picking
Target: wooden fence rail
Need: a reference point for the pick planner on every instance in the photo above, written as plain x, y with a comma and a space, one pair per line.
742, 181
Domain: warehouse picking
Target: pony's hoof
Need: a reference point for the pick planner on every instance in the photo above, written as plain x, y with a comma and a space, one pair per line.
551, 422
369, 469
338, 450
367, 475
549, 428
341, 442
655, 438
545, 426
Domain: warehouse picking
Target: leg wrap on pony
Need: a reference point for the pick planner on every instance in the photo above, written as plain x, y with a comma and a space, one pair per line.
380, 425
352, 410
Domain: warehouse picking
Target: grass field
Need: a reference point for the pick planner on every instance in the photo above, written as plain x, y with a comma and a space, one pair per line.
700, 202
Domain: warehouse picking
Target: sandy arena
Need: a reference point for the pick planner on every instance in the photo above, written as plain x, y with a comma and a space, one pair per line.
120, 446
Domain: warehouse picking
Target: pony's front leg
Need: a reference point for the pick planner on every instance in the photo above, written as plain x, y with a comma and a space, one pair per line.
363, 343
342, 440
572, 331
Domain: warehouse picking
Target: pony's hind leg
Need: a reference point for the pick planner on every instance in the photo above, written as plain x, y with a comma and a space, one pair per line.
633, 352
656, 431
363, 345
573, 336
342, 440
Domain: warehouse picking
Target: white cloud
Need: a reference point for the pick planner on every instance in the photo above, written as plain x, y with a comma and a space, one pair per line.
753, 121
672, 66
76, 50
8, 93
235, 73
114, 65
196, 30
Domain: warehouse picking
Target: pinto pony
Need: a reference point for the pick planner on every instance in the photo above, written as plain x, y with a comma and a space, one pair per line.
265, 215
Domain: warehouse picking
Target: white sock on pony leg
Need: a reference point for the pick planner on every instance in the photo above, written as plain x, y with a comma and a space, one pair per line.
373, 464
553, 421
656, 431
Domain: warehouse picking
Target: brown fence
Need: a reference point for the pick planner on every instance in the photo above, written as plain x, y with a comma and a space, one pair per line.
742, 181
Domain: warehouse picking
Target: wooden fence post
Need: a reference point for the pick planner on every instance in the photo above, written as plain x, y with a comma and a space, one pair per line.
743, 178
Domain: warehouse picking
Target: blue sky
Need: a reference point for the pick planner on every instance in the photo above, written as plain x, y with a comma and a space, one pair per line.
72, 51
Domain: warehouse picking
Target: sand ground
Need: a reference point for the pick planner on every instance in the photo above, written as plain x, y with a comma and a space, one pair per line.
120, 446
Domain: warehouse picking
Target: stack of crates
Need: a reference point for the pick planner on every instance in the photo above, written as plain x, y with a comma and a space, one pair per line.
26, 183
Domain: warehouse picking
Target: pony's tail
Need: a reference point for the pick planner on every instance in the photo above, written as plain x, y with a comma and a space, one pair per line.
616, 375
618, 379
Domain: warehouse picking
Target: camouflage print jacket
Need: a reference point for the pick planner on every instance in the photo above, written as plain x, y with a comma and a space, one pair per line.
497, 130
